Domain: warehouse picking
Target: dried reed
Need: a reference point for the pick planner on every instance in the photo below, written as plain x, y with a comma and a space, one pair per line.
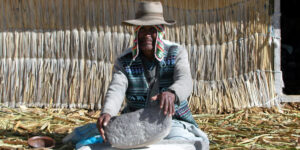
61, 53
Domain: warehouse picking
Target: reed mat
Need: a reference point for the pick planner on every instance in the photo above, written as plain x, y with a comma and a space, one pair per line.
250, 128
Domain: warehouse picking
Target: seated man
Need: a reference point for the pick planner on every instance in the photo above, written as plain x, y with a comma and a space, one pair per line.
153, 59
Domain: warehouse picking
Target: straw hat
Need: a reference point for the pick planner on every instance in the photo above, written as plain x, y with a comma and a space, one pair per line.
149, 13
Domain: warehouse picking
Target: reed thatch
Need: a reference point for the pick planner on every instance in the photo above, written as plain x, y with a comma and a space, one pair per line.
61, 52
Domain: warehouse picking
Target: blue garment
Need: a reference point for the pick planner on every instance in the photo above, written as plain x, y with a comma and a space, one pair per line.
184, 131
92, 140
84, 132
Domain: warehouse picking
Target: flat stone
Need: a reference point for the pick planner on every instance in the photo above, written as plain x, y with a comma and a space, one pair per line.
138, 129
162, 145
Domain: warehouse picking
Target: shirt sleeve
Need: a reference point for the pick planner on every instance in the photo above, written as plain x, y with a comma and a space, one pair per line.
116, 91
183, 83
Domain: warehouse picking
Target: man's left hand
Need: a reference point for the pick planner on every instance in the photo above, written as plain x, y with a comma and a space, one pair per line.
167, 100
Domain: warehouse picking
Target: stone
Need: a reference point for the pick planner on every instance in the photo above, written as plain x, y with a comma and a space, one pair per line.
138, 129
162, 145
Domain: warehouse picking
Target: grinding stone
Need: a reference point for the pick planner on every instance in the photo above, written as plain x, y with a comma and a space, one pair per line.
162, 145
138, 129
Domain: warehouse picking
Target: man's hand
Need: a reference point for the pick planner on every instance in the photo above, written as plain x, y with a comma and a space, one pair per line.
102, 122
167, 100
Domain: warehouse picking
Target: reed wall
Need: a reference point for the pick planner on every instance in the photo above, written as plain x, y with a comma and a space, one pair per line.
61, 52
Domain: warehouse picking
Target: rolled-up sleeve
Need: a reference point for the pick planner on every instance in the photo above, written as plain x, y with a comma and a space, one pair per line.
116, 90
183, 83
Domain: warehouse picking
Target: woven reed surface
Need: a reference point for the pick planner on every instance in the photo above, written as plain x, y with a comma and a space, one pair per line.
61, 52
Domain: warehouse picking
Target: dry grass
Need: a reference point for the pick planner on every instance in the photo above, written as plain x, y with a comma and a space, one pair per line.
17, 125
255, 128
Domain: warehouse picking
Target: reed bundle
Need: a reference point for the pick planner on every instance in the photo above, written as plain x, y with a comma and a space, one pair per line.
61, 53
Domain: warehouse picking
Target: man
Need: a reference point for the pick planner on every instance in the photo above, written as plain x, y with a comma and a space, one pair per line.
150, 61
138, 68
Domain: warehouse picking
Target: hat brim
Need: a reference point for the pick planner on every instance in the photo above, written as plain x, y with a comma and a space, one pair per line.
141, 22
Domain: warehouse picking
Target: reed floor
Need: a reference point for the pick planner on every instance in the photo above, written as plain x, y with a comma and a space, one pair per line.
253, 128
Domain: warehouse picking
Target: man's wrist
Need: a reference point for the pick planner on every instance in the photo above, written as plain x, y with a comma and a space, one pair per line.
176, 101
105, 113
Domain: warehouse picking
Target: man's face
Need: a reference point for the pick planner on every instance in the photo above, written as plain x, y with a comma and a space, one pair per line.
147, 38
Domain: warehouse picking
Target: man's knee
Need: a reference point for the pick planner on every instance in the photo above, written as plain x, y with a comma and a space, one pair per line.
182, 131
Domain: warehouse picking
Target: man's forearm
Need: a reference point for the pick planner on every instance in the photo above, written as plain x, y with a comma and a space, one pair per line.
183, 83
116, 91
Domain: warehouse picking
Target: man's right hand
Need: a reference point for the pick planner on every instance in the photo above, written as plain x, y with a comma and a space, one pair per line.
102, 122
